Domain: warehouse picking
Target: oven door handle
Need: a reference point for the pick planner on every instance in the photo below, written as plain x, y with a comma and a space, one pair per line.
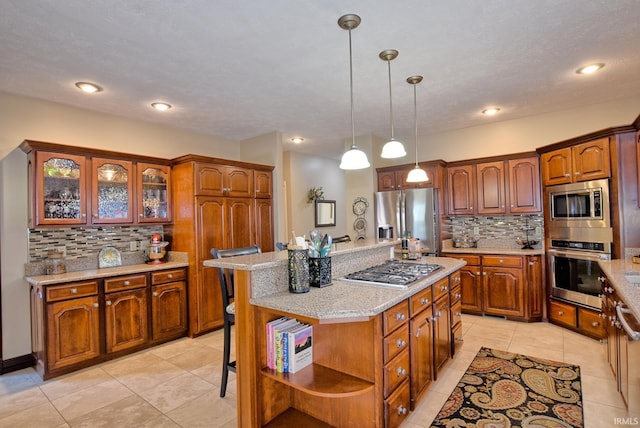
581, 255
633, 335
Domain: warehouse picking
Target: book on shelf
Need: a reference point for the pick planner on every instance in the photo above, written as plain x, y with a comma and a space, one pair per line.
289, 345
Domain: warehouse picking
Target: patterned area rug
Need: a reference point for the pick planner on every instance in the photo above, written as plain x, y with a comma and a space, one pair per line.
505, 390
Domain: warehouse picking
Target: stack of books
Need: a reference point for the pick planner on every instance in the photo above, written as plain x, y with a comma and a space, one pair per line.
289, 345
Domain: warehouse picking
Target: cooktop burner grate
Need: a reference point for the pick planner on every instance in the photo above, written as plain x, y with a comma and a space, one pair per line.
392, 273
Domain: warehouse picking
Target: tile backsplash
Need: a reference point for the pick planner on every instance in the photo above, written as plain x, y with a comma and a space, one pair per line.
498, 231
87, 242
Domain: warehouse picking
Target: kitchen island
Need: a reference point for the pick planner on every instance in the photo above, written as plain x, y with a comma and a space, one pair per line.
363, 340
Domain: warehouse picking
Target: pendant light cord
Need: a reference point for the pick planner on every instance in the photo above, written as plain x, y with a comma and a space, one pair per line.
415, 119
390, 98
353, 127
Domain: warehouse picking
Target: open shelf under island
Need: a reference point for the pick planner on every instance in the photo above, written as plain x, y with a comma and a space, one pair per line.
369, 355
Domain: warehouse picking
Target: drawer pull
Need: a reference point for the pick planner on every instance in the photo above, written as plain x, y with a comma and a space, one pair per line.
424, 301
457, 296
170, 276
501, 261
444, 288
402, 410
608, 290
400, 317
108, 302
560, 313
459, 314
96, 304
438, 314
595, 324
74, 290
401, 343
127, 282
459, 339
601, 279
401, 372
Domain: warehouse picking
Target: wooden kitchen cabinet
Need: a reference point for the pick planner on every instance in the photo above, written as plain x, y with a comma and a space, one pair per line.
581, 162
461, 189
471, 284
72, 325
421, 344
72, 186
491, 191
441, 327
169, 304
125, 312
394, 178
455, 314
153, 185
524, 185
218, 204
503, 285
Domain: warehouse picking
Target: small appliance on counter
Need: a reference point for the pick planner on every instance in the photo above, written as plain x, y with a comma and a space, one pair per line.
157, 249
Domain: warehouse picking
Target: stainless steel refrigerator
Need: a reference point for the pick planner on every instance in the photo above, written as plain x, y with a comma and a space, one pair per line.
412, 211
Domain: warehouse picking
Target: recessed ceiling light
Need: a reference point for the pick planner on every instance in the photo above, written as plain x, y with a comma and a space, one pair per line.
161, 106
490, 111
589, 69
89, 88
297, 140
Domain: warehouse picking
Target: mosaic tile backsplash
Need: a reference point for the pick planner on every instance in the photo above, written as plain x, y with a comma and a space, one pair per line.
498, 231
87, 242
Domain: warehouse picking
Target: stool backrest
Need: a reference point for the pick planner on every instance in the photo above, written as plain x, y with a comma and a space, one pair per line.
226, 275
344, 238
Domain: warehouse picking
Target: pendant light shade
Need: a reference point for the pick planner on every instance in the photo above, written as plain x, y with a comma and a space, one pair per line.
417, 174
354, 158
393, 148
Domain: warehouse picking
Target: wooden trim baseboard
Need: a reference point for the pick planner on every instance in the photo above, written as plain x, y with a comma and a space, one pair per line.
17, 363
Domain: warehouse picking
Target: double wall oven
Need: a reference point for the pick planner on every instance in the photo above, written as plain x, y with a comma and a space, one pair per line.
579, 234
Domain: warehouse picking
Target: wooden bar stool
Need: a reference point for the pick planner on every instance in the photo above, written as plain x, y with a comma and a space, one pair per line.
225, 277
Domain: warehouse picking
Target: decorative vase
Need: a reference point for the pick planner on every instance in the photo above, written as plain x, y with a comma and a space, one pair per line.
298, 267
319, 271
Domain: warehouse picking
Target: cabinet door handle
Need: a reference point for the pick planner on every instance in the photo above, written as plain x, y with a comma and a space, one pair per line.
418, 332
438, 314
401, 343
96, 304
459, 339
484, 274
83, 215
154, 294
108, 302
577, 173
567, 175
478, 273
402, 410
530, 263
140, 215
459, 314
601, 279
401, 372
400, 317
74, 290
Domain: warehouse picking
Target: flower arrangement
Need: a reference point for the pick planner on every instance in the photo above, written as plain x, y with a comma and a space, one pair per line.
315, 193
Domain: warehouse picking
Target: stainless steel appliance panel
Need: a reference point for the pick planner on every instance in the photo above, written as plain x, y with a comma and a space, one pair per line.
629, 362
584, 204
408, 211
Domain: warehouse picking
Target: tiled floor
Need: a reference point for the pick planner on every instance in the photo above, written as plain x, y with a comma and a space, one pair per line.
177, 384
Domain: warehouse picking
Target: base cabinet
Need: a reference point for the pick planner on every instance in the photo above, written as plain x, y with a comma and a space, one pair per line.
78, 324
583, 320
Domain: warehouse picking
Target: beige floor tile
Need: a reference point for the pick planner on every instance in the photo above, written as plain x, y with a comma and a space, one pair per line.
538, 351
159, 422
447, 380
19, 380
207, 411
41, 416
21, 400
74, 382
494, 332
175, 392
428, 409
601, 391
131, 363
597, 415
196, 358
174, 348
90, 399
131, 411
150, 375
474, 343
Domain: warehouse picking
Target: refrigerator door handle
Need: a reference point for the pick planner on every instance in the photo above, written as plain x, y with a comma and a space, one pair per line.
403, 215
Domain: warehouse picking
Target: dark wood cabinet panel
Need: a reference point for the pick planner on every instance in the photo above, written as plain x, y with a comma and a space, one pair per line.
461, 189
524, 185
503, 291
126, 319
471, 287
491, 193
422, 365
169, 310
263, 184
535, 287
556, 167
264, 224
586, 161
441, 333
223, 180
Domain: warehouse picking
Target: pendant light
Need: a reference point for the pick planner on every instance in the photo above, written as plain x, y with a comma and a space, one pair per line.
353, 158
393, 148
417, 174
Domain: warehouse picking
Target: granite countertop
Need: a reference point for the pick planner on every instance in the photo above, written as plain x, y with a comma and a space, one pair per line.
628, 291
447, 247
268, 260
176, 260
343, 300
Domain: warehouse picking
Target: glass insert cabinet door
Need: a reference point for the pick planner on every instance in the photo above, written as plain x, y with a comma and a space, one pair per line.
61, 189
112, 191
154, 193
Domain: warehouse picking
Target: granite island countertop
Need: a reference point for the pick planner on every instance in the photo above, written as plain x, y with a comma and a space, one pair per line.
630, 292
176, 260
343, 300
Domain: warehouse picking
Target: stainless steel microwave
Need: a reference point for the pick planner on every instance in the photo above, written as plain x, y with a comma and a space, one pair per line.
583, 204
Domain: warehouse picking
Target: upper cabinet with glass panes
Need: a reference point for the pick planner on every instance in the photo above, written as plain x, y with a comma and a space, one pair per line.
79, 186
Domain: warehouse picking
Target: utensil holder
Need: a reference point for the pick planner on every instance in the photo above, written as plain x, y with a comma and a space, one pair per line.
319, 271
298, 267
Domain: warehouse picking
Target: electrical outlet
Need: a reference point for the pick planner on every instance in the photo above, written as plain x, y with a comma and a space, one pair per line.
133, 246
62, 249
476, 230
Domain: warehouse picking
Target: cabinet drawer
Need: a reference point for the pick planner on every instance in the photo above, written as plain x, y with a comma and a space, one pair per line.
71, 291
456, 313
396, 407
421, 301
128, 282
395, 316
502, 261
396, 342
470, 259
456, 294
562, 313
591, 323
456, 339
440, 288
395, 372
168, 276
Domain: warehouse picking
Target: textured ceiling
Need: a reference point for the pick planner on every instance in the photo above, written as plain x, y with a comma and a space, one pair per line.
239, 69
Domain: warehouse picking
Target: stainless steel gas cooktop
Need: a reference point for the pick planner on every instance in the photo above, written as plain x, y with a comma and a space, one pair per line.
392, 274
